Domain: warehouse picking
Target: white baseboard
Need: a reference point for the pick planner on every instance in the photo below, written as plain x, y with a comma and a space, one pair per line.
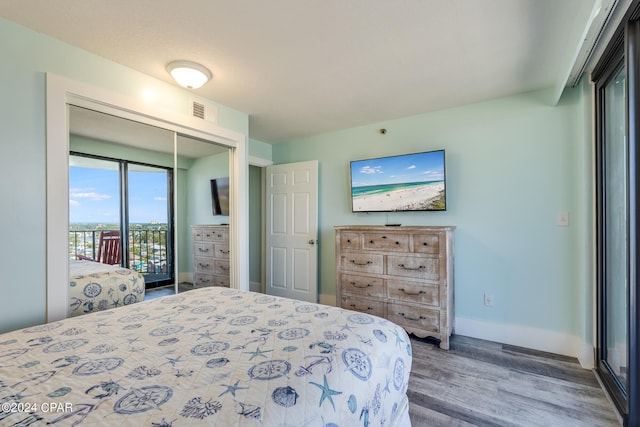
587, 357
525, 336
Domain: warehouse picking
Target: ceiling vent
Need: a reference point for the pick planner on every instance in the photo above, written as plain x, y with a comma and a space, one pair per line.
204, 111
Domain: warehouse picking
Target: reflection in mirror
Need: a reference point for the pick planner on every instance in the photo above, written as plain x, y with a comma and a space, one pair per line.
125, 177
203, 191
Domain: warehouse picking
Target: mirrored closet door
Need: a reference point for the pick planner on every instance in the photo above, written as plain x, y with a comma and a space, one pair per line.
149, 184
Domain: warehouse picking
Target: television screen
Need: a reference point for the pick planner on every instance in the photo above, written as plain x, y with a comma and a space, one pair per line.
220, 196
408, 182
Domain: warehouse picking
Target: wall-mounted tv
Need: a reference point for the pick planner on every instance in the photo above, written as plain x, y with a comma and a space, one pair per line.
220, 196
407, 182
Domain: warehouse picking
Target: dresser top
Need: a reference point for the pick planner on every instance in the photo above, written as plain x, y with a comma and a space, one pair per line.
395, 227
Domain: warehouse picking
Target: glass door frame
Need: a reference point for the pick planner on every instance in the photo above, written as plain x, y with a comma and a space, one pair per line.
617, 391
623, 51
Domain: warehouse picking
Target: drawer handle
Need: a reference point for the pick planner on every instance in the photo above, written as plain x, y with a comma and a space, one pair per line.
411, 268
353, 261
203, 250
224, 267
354, 284
411, 293
425, 244
203, 265
225, 251
204, 280
354, 306
412, 318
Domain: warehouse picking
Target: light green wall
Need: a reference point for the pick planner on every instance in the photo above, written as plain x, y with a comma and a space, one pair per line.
26, 57
511, 165
260, 149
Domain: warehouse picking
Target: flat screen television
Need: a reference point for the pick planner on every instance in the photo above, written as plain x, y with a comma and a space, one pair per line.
407, 182
220, 196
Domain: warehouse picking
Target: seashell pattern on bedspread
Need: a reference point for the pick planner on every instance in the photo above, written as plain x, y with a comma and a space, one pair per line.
211, 356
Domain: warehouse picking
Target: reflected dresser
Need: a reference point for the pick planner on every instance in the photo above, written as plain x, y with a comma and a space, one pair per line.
403, 274
210, 244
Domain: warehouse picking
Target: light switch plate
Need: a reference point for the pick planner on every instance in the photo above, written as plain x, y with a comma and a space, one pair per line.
563, 219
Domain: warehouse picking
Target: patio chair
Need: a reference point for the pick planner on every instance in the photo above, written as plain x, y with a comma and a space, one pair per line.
108, 249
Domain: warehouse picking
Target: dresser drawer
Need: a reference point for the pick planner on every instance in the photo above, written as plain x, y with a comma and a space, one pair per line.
197, 234
222, 251
215, 235
417, 267
350, 241
203, 279
222, 281
426, 243
413, 292
362, 262
362, 285
221, 266
363, 305
397, 242
201, 249
203, 264
414, 317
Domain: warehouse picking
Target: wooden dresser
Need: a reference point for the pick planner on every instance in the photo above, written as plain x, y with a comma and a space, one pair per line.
404, 274
210, 255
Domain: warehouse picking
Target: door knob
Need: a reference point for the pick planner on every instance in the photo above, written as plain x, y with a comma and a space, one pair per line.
313, 242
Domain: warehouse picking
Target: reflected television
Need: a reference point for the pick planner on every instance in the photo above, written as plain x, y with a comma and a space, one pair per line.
407, 182
220, 196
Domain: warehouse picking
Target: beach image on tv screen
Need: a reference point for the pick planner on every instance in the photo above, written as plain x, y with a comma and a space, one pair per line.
411, 182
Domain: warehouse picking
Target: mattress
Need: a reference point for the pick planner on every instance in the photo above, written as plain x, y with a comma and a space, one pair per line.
211, 356
94, 286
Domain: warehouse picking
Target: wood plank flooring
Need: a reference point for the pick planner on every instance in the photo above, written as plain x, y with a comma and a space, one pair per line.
482, 383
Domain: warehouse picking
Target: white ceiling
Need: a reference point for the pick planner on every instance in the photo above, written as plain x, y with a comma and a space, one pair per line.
302, 67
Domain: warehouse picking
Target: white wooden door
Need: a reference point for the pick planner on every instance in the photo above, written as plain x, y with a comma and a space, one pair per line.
292, 230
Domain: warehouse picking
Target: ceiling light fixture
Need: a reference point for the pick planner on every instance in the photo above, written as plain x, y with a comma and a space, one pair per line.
189, 74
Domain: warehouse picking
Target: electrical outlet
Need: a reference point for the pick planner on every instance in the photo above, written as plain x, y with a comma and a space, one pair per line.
488, 299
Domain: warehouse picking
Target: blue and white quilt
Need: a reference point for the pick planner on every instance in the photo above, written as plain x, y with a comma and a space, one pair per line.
212, 356
94, 286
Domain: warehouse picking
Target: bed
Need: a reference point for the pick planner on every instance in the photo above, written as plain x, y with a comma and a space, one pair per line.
94, 286
210, 356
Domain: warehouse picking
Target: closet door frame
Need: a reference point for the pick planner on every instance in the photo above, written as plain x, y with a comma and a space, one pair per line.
62, 92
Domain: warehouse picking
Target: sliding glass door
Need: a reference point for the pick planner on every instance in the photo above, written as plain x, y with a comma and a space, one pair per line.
134, 198
148, 223
617, 80
614, 233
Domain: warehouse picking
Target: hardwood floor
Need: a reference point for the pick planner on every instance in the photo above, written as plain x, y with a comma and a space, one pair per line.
482, 383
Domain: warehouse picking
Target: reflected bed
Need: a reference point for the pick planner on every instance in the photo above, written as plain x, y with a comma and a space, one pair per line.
94, 286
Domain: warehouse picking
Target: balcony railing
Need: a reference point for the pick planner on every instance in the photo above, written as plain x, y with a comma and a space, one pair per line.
147, 248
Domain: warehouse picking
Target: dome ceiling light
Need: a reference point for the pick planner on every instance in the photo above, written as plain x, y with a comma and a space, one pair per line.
189, 74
